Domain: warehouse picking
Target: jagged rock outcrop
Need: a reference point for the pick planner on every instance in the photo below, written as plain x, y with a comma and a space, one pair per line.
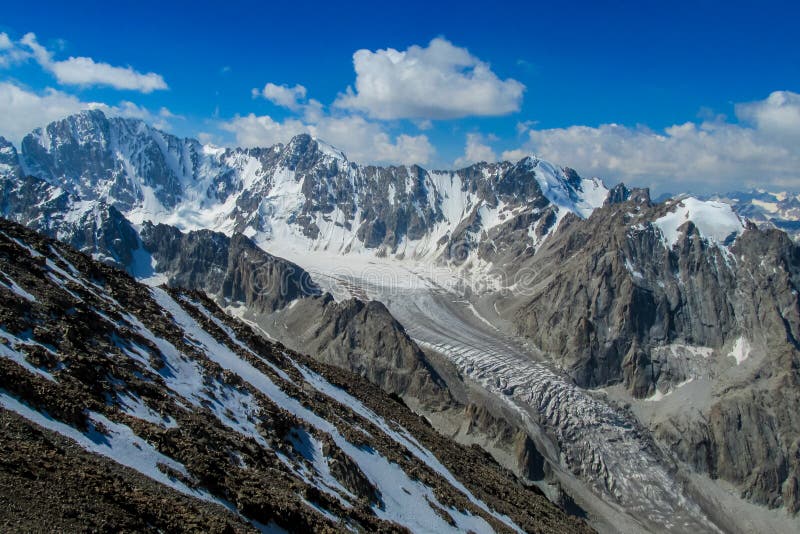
499, 434
365, 339
232, 268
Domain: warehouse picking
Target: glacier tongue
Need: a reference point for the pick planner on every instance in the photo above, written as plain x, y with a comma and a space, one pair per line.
593, 441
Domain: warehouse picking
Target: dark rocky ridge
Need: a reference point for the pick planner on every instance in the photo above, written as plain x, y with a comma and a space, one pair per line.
232, 268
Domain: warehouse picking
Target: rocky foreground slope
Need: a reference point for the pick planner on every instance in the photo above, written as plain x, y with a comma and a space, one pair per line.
126, 407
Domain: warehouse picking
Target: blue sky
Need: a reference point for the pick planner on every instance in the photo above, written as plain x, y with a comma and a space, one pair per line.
691, 96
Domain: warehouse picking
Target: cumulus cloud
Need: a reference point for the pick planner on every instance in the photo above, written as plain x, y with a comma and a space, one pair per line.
160, 119
475, 150
778, 115
362, 140
283, 95
24, 110
82, 71
440, 81
714, 155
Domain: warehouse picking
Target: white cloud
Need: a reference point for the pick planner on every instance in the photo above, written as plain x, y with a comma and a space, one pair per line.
82, 71
10, 53
131, 110
24, 110
475, 150
440, 81
208, 138
709, 156
360, 139
779, 114
283, 95
5, 42
262, 131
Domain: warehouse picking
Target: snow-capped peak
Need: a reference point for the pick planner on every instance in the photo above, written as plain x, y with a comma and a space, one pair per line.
569, 193
305, 192
715, 221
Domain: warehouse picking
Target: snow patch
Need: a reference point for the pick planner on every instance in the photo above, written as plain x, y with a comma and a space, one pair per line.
741, 350
134, 406
659, 395
8, 349
716, 221
15, 288
120, 444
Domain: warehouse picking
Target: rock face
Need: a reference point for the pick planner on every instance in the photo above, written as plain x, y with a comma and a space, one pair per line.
481, 424
95, 228
161, 408
619, 303
87, 154
365, 339
232, 268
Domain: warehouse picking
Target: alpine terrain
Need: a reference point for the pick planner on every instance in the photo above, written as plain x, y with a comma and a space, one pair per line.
281, 338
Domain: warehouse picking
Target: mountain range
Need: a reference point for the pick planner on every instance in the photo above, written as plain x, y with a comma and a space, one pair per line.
634, 361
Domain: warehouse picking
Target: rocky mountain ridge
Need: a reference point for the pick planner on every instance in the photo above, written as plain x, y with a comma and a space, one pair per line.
643, 302
303, 191
621, 303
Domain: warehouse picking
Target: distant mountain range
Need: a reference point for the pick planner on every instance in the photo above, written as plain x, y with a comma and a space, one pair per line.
780, 209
